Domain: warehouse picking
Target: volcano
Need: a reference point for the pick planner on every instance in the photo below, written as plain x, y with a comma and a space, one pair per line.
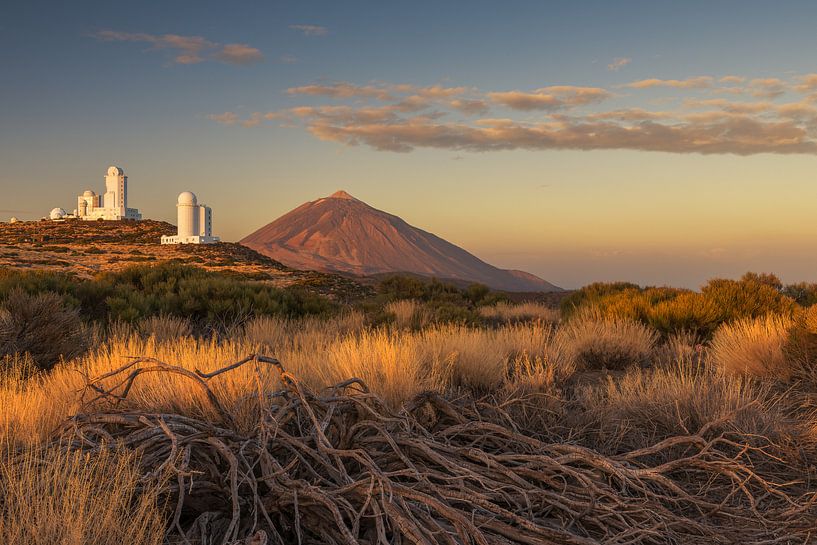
343, 234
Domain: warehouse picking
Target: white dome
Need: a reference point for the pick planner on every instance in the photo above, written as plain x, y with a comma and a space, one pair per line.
58, 214
13, 220
88, 193
115, 171
187, 198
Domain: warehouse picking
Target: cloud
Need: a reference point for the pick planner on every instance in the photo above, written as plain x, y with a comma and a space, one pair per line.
806, 83
698, 82
731, 107
732, 79
550, 98
311, 30
288, 59
226, 118
767, 87
470, 107
619, 63
187, 49
239, 54
742, 136
341, 90
404, 117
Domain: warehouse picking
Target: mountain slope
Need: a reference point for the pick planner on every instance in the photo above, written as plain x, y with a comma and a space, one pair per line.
343, 234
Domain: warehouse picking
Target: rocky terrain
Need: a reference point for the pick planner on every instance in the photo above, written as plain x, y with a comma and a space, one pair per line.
86, 248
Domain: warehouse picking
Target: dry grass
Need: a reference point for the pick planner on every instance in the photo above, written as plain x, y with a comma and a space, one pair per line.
523, 312
165, 328
753, 347
407, 314
645, 406
607, 343
534, 371
49, 496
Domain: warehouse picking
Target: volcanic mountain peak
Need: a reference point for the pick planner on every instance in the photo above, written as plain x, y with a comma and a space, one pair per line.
341, 194
340, 233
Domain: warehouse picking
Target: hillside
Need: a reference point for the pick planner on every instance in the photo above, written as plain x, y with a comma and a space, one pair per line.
340, 233
86, 248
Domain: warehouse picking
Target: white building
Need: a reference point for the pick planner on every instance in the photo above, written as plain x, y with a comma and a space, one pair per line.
58, 214
113, 205
195, 222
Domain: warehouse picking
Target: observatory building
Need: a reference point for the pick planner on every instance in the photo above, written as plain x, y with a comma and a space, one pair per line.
113, 205
195, 222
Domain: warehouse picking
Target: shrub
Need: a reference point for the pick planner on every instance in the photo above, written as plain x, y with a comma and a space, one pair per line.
750, 297
753, 347
607, 343
800, 348
42, 327
173, 289
592, 293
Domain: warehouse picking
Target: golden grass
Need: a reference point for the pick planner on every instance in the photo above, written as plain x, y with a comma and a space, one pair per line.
753, 347
609, 343
54, 497
395, 365
505, 312
407, 313
648, 405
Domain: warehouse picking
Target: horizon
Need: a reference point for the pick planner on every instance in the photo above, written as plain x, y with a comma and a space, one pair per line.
578, 143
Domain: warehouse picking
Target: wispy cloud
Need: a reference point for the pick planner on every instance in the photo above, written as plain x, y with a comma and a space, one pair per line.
618, 63
550, 98
404, 117
689, 83
311, 30
187, 49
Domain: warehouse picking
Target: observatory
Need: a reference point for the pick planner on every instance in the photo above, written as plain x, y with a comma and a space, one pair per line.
112, 205
195, 222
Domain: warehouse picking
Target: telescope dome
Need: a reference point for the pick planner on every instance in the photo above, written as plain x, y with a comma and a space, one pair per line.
187, 198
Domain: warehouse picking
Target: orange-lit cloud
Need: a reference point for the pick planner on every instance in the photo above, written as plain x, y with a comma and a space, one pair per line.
738, 135
689, 83
619, 63
550, 98
406, 117
188, 49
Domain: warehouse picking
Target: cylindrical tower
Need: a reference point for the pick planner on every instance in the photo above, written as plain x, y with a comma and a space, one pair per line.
188, 214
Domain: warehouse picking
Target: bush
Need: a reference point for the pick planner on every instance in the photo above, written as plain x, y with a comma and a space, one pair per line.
753, 347
800, 348
42, 327
165, 328
747, 298
607, 343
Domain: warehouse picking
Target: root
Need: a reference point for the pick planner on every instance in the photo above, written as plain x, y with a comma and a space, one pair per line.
339, 467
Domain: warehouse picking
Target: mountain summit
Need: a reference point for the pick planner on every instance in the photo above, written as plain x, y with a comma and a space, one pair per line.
340, 233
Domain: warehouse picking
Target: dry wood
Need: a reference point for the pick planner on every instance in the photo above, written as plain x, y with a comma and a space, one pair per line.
338, 467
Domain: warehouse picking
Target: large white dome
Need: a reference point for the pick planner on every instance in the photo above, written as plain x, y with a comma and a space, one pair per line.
187, 198
88, 193
58, 214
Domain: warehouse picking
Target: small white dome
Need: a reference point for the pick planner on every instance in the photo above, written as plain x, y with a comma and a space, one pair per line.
13, 220
58, 214
115, 171
88, 193
187, 198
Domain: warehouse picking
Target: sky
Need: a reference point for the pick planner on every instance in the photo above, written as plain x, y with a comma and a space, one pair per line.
664, 143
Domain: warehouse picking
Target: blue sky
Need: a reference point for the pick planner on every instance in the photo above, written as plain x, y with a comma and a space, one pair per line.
260, 106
